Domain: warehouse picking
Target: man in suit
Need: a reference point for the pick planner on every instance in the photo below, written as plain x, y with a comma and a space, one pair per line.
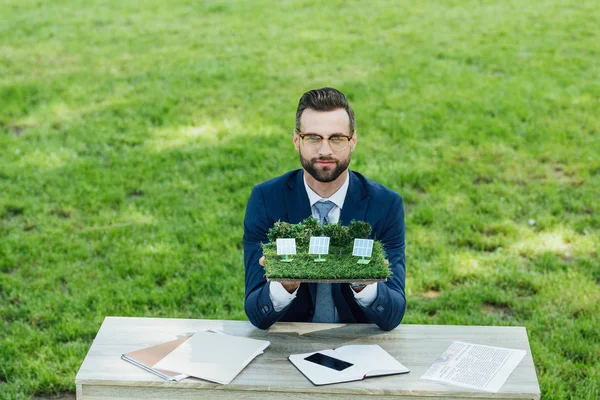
325, 188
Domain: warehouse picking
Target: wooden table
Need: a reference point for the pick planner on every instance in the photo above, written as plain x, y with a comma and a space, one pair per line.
103, 375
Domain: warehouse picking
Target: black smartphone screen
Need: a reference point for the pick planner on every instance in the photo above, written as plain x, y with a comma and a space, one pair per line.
328, 362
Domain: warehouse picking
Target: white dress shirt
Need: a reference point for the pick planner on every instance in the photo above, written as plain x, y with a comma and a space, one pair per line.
279, 296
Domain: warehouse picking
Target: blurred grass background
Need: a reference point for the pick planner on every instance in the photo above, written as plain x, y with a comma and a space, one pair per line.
131, 134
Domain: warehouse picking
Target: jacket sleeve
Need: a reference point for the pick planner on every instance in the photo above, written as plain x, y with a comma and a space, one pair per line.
389, 306
257, 303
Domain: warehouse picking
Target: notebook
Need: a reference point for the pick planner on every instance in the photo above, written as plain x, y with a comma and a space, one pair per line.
148, 357
347, 363
212, 356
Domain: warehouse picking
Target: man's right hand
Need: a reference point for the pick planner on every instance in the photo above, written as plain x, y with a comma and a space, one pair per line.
289, 286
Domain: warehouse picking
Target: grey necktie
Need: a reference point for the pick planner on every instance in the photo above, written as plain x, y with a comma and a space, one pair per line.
323, 209
324, 307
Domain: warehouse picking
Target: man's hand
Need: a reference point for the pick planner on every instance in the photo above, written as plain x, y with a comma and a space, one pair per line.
289, 286
359, 289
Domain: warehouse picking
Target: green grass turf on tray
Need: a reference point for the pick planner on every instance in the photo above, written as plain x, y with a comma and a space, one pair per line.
339, 264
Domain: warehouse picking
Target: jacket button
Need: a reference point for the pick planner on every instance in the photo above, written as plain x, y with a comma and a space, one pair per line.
265, 309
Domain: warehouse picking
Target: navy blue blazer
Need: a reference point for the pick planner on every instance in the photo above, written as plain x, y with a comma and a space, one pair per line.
284, 198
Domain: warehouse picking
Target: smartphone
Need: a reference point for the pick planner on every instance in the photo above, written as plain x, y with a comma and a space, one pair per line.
329, 362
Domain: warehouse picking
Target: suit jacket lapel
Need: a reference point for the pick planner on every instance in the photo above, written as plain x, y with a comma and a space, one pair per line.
355, 204
296, 199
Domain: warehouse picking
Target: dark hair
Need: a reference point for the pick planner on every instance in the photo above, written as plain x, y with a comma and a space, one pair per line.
325, 99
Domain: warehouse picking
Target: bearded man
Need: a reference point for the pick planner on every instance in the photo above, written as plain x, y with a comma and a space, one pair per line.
325, 137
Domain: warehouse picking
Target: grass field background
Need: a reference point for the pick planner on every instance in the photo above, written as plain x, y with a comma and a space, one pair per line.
131, 134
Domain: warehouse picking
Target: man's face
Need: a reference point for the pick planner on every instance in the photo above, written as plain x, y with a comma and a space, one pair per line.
324, 164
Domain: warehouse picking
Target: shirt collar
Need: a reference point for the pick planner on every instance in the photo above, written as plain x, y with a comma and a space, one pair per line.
337, 198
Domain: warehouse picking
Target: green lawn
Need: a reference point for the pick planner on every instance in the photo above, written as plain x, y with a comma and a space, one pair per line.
131, 134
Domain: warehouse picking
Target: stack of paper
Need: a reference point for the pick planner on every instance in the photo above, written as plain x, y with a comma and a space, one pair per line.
206, 355
347, 363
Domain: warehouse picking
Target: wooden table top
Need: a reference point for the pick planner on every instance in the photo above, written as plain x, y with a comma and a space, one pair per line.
415, 346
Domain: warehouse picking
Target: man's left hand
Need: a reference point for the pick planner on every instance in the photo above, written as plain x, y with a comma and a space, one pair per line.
359, 289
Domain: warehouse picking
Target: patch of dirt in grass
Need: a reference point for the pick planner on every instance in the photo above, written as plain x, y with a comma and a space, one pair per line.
481, 243
17, 130
493, 230
582, 313
65, 214
64, 287
135, 194
567, 258
432, 293
56, 396
15, 301
479, 180
501, 310
526, 289
564, 176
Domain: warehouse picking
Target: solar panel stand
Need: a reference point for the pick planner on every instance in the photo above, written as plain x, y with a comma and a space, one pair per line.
363, 261
320, 259
287, 259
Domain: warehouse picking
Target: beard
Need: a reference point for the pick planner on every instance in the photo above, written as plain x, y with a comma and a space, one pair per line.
326, 174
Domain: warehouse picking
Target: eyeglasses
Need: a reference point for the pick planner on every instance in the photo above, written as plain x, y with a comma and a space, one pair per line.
337, 142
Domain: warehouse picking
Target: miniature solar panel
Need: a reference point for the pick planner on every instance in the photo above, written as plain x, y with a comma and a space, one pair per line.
362, 247
286, 246
318, 245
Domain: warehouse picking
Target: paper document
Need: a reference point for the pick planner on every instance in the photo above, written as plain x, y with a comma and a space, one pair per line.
474, 366
347, 363
212, 356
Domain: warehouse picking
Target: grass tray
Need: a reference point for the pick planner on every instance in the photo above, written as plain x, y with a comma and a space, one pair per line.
326, 280
339, 266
